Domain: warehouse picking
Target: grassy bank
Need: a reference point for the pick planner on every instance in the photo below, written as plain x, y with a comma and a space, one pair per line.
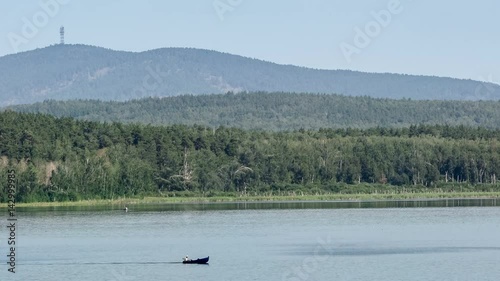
266, 198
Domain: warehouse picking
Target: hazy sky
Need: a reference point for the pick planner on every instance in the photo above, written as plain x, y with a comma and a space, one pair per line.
444, 38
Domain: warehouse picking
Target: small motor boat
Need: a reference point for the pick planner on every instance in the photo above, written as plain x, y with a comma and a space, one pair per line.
197, 261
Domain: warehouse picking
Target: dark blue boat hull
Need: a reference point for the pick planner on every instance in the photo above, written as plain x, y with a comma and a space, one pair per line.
197, 261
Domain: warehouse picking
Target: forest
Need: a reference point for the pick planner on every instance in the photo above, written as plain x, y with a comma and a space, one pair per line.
68, 72
63, 159
277, 111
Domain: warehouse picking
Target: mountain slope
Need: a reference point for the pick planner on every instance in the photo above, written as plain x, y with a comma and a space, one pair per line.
277, 111
64, 72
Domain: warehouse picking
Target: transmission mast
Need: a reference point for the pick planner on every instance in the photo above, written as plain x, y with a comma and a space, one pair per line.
61, 32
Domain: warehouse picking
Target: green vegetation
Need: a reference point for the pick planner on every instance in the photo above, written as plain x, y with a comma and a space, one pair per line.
231, 197
65, 72
277, 111
69, 160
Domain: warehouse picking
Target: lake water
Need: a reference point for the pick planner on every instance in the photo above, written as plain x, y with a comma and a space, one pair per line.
281, 241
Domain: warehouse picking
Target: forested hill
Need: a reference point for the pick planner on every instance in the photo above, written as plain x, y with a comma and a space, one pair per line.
63, 72
278, 111
64, 159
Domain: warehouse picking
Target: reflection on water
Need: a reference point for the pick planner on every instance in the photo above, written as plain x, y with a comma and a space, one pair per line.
433, 203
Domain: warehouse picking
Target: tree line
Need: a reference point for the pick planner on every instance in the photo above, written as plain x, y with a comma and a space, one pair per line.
278, 111
58, 159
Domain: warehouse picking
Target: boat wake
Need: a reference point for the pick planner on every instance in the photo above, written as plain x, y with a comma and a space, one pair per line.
97, 263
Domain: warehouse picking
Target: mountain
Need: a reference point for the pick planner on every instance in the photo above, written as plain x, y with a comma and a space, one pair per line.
277, 111
63, 72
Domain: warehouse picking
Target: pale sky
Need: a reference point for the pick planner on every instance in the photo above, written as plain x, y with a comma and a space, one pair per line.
444, 38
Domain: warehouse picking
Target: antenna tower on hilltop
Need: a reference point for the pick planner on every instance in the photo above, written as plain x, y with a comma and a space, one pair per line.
61, 32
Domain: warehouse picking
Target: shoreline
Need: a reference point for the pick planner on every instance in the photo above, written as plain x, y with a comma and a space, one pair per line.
265, 198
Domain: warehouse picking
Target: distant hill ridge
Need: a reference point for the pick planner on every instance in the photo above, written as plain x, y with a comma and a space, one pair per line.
278, 111
63, 72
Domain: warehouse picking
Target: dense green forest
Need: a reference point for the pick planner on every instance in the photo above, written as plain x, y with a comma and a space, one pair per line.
278, 111
66, 72
59, 159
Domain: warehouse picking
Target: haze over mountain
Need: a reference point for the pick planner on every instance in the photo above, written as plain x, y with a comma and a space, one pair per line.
64, 72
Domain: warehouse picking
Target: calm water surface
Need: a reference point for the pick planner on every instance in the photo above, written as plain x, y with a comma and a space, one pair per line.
245, 242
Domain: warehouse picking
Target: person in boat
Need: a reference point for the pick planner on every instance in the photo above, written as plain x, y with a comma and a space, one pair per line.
186, 258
